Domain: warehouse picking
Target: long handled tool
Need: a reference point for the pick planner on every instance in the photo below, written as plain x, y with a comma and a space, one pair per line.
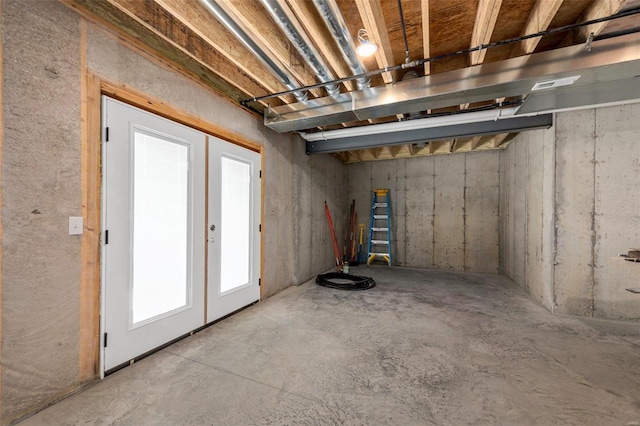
334, 239
353, 235
360, 254
346, 255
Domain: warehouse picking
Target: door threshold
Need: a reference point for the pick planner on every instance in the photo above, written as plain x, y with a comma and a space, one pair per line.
165, 345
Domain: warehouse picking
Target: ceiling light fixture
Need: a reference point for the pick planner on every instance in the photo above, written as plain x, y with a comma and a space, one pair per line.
366, 47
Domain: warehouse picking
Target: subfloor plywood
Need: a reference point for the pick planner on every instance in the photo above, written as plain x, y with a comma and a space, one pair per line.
422, 347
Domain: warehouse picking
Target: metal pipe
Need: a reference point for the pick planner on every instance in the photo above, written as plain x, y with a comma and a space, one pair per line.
335, 22
404, 33
280, 72
607, 74
419, 62
302, 43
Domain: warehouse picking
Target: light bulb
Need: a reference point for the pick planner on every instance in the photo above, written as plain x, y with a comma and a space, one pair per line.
366, 48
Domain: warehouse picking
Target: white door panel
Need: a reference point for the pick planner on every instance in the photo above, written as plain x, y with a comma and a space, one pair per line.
153, 217
234, 235
156, 235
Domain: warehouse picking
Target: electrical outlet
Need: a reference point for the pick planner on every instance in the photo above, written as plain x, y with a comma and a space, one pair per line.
75, 225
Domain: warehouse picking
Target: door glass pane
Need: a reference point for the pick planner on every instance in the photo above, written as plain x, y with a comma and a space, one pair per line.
235, 226
160, 226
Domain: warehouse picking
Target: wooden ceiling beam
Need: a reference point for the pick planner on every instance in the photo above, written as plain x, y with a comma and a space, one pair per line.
426, 42
366, 155
597, 9
541, 16
385, 153
180, 32
485, 23
474, 142
404, 151
343, 156
442, 147
496, 140
174, 42
373, 20
258, 25
198, 19
352, 157
309, 19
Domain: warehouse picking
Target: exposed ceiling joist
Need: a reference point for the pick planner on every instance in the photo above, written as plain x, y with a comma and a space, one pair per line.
539, 20
307, 15
260, 28
187, 37
497, 140
172, 41
426, 40
610, 60
373, 20
474, 142
486, 18
598, 9
195, 19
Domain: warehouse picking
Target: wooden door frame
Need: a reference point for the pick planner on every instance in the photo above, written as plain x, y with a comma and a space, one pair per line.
93, 87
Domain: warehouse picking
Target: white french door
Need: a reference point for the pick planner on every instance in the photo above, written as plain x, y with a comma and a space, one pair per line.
153, 221
233, 226
157, 242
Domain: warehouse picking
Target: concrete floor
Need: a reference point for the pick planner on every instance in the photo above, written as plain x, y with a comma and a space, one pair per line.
423, 347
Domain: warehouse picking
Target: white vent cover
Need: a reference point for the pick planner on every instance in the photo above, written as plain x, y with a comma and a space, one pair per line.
542, 85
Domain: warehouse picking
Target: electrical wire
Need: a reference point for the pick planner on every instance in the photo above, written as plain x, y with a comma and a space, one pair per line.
413, 64
404, 33
340, 281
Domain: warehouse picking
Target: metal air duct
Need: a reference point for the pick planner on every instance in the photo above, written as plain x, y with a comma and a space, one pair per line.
302, 43
608, 73
278, 69
335, 22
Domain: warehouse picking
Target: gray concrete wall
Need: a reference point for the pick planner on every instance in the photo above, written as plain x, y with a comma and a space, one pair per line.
598, 211
445, 208
574, 196
526, 213
569, 206
316, 179
41, 188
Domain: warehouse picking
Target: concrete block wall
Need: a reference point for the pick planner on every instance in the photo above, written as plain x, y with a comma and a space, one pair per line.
445, 209
41, 186
570, 205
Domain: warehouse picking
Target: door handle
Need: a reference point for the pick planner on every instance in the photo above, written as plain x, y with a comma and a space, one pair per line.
212, 227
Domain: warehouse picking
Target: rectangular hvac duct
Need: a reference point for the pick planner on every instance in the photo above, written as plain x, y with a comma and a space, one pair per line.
567, 98
610, 60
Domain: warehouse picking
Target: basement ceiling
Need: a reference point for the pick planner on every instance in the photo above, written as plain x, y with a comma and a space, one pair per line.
302, 76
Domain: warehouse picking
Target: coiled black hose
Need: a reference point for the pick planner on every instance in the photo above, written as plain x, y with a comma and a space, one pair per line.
341, 281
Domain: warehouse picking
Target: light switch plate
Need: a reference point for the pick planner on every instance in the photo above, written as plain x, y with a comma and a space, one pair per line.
75, 225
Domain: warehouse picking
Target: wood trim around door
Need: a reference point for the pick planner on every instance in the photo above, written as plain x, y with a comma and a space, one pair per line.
131, 96
93, 86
